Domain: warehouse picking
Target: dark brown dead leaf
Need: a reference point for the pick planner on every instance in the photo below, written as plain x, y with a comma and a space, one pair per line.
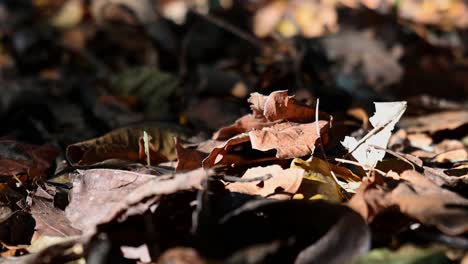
285, 181
218, 153
189, 158
124, 144
50, 221
18, 158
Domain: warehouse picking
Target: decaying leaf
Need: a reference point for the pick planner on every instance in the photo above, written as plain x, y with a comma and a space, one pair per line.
141, 198
18, 158
50, 221
290, 140
284, 182
432, 123
125, 144
318, 181
280, 106
95, 193
384, 120
241, 125
269, 110
416, 197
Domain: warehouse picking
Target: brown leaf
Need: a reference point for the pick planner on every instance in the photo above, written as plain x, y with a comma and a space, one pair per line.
290, 140
95, 192
416, 197
50, 221
432, 123
189, 158
18, 158
218, 153
282, 180
280, 106
139, 199
241, 125
123, 143
431, 204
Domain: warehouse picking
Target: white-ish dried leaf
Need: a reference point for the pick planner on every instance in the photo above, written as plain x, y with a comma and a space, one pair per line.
384, 120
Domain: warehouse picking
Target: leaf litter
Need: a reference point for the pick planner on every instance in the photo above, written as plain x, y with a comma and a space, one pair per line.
156, 132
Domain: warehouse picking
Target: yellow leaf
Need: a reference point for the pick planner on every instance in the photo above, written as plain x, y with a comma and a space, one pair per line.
318, 182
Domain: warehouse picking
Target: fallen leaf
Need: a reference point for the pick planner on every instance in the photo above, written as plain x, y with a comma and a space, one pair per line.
290, 140
280, 106
384, 120
241, 125
18, 158
50, 221
282, 182
124, 144
152, 190
318, 182
219, 152
95, 192
416, 197
431, 123
189, 158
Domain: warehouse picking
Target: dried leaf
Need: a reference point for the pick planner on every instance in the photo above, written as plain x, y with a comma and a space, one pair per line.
318, 183
384, 120
241, 125
290, 140
282, 181
95, 192
151, 191
416, 197
432, 123
18, 158
124, 144
50, 221
218, 153
280, 106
